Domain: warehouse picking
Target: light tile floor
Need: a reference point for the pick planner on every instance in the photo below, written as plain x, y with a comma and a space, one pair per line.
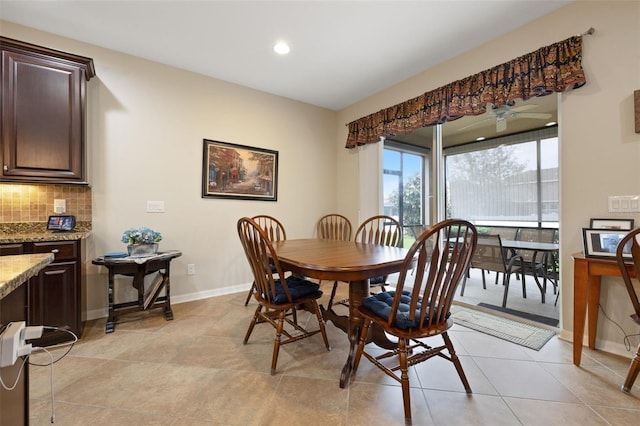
195, 370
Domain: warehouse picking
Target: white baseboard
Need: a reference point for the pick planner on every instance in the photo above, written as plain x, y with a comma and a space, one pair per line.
604, 346
102, 313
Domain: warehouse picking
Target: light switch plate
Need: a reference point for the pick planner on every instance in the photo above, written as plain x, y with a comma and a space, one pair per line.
155, 206
624, 204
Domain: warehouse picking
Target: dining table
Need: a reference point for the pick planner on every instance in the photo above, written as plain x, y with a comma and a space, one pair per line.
348, 262
536, 247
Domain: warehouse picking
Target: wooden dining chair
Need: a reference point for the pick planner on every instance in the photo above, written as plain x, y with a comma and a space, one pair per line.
630, 244
275, 231
379, 230
334, 227
419, 307
278, 296
491, 256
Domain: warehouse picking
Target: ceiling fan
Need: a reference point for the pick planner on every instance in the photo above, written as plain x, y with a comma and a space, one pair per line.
502, 113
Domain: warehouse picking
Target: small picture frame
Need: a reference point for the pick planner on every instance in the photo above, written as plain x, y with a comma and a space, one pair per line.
607, 223
604, 242
239, 172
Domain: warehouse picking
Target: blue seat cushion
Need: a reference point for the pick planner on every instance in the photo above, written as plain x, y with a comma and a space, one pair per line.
298, 287
376, 280
380, 304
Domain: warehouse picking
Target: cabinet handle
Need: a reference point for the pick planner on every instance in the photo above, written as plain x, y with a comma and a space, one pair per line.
55, 251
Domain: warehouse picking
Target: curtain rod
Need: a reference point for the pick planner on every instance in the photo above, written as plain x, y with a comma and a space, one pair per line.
590, 31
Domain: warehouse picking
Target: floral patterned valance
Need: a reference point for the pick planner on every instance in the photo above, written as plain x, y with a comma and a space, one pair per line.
550, 69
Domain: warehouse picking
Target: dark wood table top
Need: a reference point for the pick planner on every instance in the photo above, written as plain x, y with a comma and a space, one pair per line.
338, 260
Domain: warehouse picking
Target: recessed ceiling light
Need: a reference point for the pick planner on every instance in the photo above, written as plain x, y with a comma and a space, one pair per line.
281, 48
551, 123
481, 138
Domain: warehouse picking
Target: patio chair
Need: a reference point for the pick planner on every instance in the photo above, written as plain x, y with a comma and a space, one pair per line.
491, 256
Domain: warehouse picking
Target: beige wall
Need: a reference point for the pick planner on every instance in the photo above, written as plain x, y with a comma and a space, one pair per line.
600, 152
146, 123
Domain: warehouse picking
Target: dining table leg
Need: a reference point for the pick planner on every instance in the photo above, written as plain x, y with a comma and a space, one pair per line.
358, 290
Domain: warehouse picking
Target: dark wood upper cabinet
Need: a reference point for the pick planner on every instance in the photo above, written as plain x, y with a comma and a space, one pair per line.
43, 113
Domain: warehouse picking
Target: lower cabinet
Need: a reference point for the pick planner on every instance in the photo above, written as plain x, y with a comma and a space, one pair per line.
54, 295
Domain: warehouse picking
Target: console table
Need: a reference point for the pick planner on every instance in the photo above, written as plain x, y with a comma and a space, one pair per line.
587, 273
138, 268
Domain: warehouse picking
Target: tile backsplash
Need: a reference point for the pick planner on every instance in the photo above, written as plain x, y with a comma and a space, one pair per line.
34, 202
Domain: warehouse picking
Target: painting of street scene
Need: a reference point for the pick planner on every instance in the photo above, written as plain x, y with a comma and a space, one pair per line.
238, 171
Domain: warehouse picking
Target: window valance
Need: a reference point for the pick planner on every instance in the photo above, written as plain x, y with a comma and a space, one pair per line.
550, 69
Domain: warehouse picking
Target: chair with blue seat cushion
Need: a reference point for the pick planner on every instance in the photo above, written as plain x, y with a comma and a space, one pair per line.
419, 307
334, 227
278, 295
379, 230
275, 231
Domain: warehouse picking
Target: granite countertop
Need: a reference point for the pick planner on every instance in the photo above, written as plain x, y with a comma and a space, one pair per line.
15, 270
6, 238
37, 231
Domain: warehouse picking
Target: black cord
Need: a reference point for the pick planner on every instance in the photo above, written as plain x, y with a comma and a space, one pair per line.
627, 343
67, 344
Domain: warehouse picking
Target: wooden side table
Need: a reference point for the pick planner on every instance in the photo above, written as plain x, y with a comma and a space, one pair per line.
138, 268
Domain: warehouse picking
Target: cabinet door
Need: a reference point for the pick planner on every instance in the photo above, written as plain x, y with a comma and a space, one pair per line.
53, 296
43, 114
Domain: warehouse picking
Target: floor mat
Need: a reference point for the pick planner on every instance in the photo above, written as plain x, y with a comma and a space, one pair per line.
512, 331
553, 322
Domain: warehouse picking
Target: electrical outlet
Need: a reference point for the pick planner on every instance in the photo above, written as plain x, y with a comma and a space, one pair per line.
191, 269
59, 206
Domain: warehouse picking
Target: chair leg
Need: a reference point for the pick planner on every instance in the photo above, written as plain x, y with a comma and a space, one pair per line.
323, 330
505, 284
456, 362
252, 324
333, 294
251, 290
276, 342
361, 342
404, 379
634, 369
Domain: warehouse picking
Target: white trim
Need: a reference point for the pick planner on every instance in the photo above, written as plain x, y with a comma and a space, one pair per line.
103, 313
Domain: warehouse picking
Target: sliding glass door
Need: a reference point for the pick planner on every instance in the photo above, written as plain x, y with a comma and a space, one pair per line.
406, 187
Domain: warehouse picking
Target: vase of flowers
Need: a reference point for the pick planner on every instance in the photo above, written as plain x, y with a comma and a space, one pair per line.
141, 242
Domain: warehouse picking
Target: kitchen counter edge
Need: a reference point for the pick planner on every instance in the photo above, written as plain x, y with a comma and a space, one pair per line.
17, 269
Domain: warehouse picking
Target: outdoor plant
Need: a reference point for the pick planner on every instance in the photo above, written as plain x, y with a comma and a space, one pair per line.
141, 235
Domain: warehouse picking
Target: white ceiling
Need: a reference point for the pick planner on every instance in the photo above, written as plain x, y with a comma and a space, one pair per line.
341, 51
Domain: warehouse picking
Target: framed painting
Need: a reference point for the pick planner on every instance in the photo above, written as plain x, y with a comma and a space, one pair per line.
624, 224
239, 172
604, 242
